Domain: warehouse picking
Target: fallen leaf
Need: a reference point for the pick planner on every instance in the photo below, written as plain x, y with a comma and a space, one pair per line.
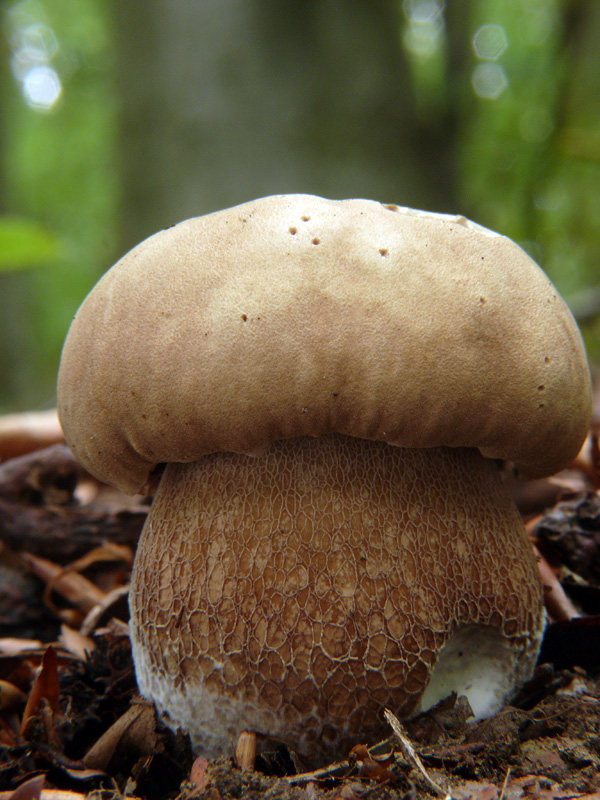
475, 790
91, 621
25, 432
14, 647
10, 696
45, 687
29, 790
74, 587
540, 788
558, 605
75, 642
134, 731
351, 791
199, 773
59, 794
110, 551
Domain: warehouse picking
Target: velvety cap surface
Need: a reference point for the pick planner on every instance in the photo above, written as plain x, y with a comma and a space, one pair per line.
293, 315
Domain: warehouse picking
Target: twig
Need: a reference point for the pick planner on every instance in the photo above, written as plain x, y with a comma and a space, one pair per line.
336, 770
506, 777
411, 753
558, 605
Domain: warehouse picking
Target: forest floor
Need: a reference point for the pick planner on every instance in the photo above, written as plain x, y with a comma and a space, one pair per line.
72, 723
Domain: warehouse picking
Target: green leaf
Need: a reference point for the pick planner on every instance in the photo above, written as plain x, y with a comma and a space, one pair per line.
26, 243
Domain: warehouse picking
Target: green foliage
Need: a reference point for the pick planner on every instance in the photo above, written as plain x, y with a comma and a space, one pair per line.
530, 157
25, 243
499, 118
58, 169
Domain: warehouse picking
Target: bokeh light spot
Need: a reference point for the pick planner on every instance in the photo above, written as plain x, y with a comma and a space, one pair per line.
42, 87
489, 80
489, 42
423, 33
553, 197
535, 124
34, 46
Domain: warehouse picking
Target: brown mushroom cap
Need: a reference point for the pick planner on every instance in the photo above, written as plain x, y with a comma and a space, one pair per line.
294, 315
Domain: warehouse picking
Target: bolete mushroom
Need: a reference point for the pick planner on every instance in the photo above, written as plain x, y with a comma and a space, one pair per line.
330, 383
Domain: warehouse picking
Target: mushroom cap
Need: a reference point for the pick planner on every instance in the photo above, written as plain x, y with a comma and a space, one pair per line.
294, 315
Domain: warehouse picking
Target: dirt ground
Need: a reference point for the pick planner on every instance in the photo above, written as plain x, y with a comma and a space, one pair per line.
72, 724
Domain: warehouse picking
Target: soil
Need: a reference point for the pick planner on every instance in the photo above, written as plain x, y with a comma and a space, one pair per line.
71, 718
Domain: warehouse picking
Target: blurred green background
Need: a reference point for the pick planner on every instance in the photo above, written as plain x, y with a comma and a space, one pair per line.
120, 118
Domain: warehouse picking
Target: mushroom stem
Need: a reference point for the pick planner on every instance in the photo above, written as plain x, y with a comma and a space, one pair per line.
301, 592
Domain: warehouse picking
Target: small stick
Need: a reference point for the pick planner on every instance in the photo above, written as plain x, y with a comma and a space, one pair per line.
335, 770
504, 784
411, 753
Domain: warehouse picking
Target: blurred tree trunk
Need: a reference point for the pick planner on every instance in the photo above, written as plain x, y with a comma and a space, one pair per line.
227, 100
15, 374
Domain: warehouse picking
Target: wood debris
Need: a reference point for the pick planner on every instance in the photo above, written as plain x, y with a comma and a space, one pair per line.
70, 715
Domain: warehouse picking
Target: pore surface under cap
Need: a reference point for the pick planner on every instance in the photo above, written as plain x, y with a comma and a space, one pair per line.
294, 315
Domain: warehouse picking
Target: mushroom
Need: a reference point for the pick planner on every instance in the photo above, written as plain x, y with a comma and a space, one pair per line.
329, 384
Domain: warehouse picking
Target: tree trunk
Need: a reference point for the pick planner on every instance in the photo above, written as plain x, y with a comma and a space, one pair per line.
227, 100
